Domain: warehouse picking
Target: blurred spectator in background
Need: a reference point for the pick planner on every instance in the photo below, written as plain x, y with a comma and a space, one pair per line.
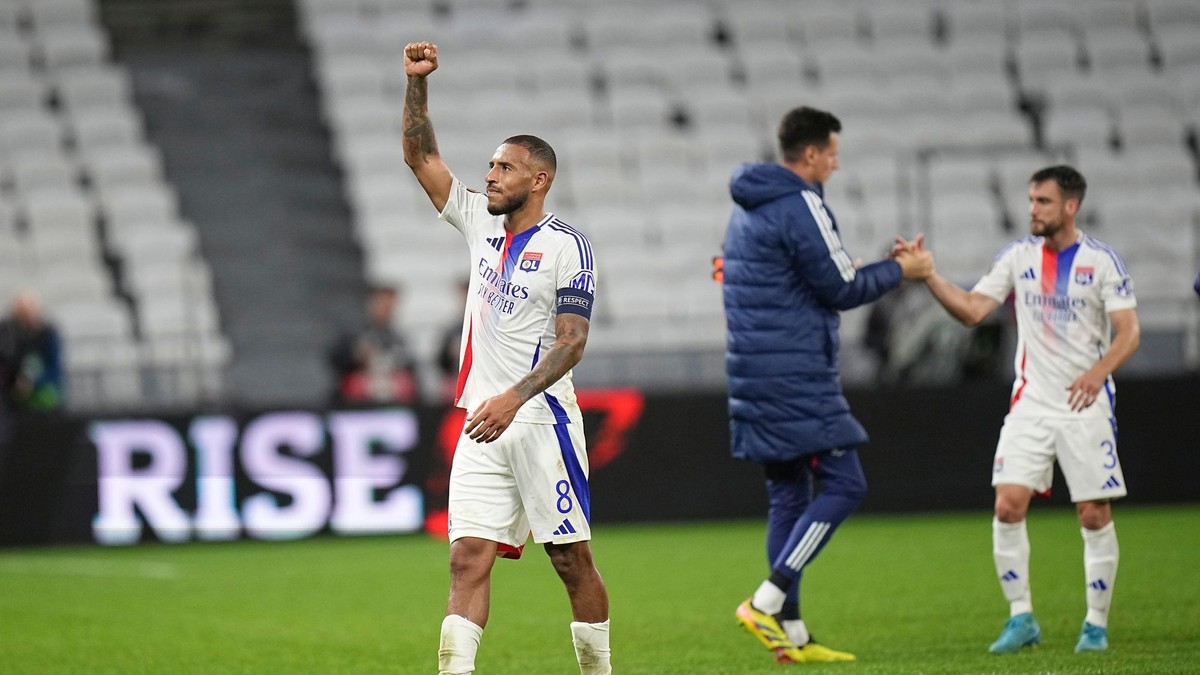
373, 364
30, 357
450, 349
916, 343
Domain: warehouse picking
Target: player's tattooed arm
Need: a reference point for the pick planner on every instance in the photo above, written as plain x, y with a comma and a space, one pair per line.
493, 416
420, 146
419, 141
570, 337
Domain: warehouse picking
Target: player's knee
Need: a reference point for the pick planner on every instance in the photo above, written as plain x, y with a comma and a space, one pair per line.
469, 562
851, 488
1008, 511
570, 560
1094, 515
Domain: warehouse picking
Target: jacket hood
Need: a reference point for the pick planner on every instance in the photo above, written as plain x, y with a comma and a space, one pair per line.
753, 185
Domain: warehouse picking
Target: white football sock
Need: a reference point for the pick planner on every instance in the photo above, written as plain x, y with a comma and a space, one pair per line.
460, 641
768, 598
1010, 549
796, 631
1100, 554
591, 647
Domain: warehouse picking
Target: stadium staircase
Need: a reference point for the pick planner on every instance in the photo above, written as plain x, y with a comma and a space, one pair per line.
227, 94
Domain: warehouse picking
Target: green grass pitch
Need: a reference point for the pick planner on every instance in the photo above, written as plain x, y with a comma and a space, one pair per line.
908, 594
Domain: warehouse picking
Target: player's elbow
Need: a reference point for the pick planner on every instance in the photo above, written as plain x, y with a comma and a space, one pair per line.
575, 349
972, 319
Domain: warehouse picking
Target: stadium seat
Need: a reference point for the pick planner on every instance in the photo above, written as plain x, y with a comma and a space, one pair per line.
831, 26
164, 241
1088, 127
104, 127
973, 22
89, 320
21, 93
94, 86
162, 315
1036, 16
1179, 48
128, 207
14, 51
1118, 49
1055, 56
64, 280
768, 66
757, 21
1110, 14
33, 170
32, 130
1152, 125
116, 166
907, 24
66, 208
1164, 13
69, 46
45, 14
661, 25
1073, 90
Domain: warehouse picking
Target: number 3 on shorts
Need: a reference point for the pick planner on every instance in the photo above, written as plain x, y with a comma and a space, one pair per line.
564, 503
1110, 451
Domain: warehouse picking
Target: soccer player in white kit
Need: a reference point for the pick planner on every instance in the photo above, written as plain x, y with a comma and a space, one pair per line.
521, 465
1071, 291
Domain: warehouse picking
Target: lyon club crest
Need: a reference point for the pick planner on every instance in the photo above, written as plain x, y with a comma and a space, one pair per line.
530, 261
1084, 275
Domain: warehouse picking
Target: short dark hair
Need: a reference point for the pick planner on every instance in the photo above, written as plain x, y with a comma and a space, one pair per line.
539, 151
803, 127
1072, 183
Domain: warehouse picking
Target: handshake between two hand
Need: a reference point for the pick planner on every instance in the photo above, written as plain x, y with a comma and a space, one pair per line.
916, 263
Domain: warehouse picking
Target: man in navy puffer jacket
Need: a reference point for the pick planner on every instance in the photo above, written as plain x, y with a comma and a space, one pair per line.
786, 277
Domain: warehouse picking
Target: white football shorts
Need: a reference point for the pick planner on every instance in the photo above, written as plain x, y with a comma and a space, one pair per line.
531, 479
1086, 451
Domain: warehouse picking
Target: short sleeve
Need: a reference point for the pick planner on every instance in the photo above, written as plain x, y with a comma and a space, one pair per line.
463, 207
1116, 286
998, 282
576, 280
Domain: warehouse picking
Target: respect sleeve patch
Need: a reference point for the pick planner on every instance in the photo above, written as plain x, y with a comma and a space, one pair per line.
575, 301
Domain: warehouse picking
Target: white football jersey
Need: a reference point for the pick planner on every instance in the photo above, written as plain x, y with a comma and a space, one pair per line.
519, 285
1062, 301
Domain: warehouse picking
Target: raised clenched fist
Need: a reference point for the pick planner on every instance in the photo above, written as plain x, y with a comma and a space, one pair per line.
420, 59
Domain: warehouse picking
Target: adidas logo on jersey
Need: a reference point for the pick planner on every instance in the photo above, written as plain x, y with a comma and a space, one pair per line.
1112, 482
1029, 273
495, 242
565, 528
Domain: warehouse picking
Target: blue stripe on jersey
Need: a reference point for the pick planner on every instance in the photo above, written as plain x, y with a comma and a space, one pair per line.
579, 483
1101, 246
581, 241
580, 238
1062, 279
515, 248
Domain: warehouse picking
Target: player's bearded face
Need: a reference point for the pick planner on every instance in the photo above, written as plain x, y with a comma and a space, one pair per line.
508, 180
1047, 209
501, 203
